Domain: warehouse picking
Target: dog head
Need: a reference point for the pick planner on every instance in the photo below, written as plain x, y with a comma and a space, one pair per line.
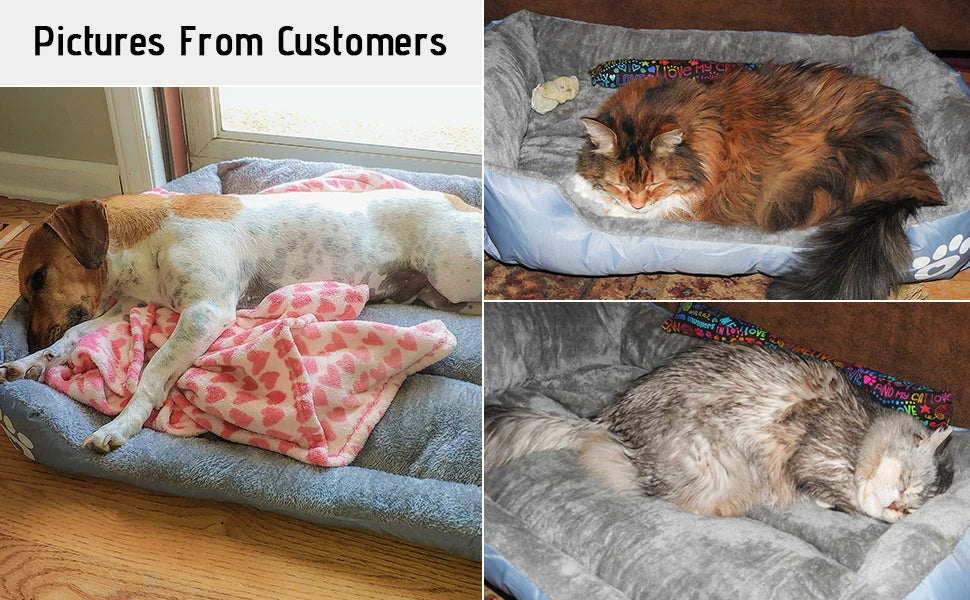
63, 272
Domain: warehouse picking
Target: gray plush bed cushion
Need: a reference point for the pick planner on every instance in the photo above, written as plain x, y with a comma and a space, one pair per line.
251, 175
576, 540
527, 49
418, 476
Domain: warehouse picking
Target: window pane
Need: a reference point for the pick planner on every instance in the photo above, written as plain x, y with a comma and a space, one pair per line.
437, 118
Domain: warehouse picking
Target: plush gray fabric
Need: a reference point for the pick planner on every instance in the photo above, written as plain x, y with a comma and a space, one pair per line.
526, 49
251, 175
521, 545
417, 477
550, 516
538, 345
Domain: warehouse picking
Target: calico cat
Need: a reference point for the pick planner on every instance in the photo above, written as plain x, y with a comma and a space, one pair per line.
722, 428
781, 147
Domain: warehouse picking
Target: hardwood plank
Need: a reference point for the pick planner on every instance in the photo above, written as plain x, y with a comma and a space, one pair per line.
11, 231
955, 288
78, 537
32, 212
12, 211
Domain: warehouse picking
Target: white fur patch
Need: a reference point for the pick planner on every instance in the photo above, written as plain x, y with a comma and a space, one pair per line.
608, 462
585, 190
881, 490
676, 207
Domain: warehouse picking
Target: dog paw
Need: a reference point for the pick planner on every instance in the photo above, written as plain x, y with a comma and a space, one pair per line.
30, 367
945, 257
10, 372
104, 440
14, 371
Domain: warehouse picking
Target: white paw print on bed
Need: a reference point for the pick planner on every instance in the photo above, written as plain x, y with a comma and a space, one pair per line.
20, 441
944, 258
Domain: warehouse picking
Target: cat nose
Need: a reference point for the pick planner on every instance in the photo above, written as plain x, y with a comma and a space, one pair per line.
892, 506
638, 202
887, 497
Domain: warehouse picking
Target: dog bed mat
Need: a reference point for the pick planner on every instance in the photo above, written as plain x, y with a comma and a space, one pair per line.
534, 219
417, 477
551, 531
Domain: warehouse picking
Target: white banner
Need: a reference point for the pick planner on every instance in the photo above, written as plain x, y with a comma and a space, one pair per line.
181, 43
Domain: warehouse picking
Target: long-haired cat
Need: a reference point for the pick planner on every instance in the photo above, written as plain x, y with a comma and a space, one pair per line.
781, 147
720, 429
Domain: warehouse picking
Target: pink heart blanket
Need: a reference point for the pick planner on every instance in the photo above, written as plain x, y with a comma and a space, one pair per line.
296, 375
339, 180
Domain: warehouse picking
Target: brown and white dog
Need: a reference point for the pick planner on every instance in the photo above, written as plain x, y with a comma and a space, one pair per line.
207, 255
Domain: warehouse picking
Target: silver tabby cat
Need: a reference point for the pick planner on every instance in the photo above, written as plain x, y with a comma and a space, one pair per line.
720, 429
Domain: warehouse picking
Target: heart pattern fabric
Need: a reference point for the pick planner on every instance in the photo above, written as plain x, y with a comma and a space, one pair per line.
342, 180
298, 374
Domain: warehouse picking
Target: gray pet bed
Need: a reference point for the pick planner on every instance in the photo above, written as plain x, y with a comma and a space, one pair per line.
418, 476
553, 531
534, 218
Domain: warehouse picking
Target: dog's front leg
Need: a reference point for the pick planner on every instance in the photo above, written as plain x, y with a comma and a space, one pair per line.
33, 366
198, 326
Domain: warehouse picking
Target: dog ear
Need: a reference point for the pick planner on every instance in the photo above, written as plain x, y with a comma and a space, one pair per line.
83, 227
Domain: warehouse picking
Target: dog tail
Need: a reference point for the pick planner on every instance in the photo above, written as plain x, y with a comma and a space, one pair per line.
511, 433
863, 253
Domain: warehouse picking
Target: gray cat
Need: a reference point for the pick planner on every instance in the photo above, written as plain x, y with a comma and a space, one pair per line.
722, 428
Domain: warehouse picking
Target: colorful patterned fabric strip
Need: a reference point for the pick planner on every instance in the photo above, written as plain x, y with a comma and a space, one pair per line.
932, 407
614, 73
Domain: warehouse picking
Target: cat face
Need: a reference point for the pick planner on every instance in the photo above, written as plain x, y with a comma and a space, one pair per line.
657, 175
911, 471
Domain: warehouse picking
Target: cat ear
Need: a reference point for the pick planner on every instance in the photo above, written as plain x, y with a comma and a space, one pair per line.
938, 440
667, 142
602, 136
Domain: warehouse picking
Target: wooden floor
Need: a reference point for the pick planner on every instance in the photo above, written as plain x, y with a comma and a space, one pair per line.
64, 537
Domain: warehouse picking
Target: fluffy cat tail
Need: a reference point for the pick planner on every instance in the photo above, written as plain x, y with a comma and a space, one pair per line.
511, 433
863, 253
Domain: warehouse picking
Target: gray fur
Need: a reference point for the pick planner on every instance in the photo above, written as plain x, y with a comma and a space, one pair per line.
514, 432
577, 540
722, 429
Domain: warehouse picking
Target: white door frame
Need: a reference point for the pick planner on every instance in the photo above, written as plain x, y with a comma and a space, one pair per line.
138, 144
208, 143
